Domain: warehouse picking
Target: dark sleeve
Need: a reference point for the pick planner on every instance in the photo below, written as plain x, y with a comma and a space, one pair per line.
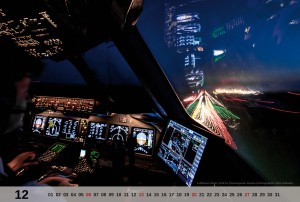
8, 171
9, 179
6, 181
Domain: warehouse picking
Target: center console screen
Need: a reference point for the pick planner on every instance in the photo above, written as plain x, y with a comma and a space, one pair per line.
69, 128
181, 149
97, 130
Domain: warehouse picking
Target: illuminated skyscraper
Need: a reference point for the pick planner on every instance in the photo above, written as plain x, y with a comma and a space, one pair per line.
183, 34
182, 29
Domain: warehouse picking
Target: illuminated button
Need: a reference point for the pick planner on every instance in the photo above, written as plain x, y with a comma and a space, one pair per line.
122, 120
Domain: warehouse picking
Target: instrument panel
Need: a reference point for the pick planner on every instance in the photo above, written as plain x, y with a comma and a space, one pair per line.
97, 130
64, 104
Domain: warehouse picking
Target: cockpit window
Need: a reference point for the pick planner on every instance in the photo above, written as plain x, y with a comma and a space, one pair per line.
235, 67
68, 73
105, 59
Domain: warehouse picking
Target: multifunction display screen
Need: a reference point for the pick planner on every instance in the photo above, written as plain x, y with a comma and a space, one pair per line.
181, 150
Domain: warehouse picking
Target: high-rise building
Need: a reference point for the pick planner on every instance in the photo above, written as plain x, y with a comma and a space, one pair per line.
183, 34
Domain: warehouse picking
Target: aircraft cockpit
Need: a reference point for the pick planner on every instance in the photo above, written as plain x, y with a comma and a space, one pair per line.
158, 93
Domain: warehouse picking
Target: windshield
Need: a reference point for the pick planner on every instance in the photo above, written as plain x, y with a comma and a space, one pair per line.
67, 73
235, 67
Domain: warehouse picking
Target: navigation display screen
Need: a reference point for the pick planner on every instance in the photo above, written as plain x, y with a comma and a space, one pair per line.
38, 124
181, 150
144, 140
69, 128
53, 126
97, 130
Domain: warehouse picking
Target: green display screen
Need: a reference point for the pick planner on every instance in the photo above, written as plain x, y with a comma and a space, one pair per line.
94, 155
58, 148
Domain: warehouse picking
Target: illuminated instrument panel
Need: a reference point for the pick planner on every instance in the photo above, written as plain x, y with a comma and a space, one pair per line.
34, 31
108, 140
64, 104
96, 130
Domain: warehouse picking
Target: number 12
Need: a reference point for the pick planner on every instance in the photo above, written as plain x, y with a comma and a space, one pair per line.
24, 196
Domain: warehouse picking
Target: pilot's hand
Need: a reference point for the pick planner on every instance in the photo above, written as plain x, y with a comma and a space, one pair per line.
22, 162
58, 180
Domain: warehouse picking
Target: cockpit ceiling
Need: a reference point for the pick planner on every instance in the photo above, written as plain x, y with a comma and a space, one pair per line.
57, 29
